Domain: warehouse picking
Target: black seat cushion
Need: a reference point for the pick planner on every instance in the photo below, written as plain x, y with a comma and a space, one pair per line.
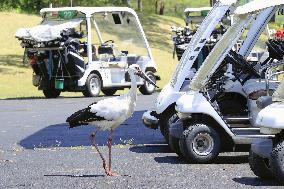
264, 101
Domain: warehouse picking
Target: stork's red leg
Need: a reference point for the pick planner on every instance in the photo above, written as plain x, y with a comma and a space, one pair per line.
93, 139
110, 173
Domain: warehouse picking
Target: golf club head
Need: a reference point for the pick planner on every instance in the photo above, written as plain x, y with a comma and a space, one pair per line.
144, 76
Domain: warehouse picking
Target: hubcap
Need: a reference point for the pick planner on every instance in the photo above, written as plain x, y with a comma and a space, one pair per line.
94, 85
203, 144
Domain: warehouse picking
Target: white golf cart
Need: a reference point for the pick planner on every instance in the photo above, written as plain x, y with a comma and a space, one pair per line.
165, 113
87, 49
266, 155
202, 129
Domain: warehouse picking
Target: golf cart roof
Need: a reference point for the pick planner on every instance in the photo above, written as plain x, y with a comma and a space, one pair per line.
188, 10
89, 10
256, 6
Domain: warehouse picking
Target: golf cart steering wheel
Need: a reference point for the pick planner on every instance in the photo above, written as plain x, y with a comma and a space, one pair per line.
240, 62
108, 41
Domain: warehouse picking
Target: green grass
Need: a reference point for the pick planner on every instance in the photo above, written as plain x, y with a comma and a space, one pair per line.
16, 79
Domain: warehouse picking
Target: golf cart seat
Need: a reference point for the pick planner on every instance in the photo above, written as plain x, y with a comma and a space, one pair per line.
254, 85
264, 101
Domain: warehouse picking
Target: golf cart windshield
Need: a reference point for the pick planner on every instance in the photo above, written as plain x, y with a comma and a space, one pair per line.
197, 42
122, 29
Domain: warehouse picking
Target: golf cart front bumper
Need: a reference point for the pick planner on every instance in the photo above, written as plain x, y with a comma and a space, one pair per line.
262, 147
151, 120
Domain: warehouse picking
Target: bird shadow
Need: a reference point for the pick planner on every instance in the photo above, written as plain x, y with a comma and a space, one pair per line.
82, 176
131, 132
255, 181
74, 176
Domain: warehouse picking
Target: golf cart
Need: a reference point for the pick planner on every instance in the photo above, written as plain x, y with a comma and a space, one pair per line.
266, 155
208, 123
87, 49
164, 113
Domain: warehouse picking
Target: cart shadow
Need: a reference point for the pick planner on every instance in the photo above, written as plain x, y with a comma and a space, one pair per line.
60, 97
131, 132
159, 147
219, 160
162, 147
254, 181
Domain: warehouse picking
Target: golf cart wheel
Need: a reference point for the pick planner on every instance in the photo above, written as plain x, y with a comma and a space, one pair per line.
51, 93
168, 117
200, 143
147, 88
174, 145
109, 92
260, 166
93, 85
277, 161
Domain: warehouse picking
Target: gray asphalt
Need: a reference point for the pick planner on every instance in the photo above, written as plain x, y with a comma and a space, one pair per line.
37, 150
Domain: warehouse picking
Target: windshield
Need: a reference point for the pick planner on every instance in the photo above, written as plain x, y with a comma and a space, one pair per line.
122, 28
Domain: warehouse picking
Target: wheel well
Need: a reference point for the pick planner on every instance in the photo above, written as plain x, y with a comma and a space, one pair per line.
203, 118
168, 109
235, 96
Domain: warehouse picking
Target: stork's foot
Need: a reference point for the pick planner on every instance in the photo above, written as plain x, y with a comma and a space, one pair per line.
110, 173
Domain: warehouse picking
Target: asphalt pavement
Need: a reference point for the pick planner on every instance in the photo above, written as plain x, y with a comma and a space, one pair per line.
37, 150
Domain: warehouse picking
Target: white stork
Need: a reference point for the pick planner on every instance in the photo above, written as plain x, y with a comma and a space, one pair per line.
109, 113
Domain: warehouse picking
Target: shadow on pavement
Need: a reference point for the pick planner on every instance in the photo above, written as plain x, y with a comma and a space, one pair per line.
156, 148
75, 176
82, 176
170, 160
219, 160
42, 97
255, 181
238, 159
131, 132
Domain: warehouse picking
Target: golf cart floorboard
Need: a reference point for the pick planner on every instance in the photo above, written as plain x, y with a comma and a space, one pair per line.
250, 132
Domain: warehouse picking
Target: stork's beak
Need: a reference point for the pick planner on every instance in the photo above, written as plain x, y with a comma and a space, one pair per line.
144, 76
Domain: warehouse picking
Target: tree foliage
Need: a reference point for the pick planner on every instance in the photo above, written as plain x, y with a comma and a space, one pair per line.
148, 6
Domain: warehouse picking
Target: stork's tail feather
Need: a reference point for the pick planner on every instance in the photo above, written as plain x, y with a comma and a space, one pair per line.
78, 118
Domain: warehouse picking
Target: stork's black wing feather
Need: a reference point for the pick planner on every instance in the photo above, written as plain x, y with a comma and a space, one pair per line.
83, 117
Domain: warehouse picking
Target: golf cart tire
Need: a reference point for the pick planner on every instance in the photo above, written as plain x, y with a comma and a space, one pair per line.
147, 89
174, 145
277, 161
51, 93
259, 166
109, 92
204, 134
90, 92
